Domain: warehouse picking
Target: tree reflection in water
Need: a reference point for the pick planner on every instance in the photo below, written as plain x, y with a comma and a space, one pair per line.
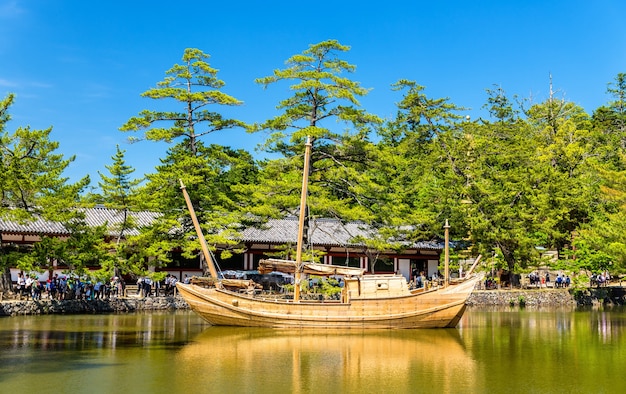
492, 350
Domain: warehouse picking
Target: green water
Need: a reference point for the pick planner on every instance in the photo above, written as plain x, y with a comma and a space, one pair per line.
491, 351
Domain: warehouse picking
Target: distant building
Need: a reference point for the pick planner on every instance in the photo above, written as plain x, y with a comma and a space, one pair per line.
330, 236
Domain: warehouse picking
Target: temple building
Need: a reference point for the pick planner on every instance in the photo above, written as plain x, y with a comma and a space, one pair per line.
336, 241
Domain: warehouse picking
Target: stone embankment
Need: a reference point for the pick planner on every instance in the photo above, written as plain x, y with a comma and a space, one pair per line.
42, 307
615, 295
560, 297
529, 298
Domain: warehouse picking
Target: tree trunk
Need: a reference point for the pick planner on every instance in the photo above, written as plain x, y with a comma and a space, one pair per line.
205, 266
372, 258
507, 254
6, 284
121, 234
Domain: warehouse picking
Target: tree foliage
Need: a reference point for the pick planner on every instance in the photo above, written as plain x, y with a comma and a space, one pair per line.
208, 172
321, 95
419, 165
600, 241
119, 191
194, 86
498, 182
32, 184
525, 178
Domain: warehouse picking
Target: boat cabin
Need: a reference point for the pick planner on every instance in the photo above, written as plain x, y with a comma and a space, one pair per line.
375, 286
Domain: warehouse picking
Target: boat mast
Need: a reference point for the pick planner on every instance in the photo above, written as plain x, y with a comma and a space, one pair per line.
446, 228
303, 196
194, 219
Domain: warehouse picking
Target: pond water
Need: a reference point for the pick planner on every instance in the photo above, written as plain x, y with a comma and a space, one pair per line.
501, 350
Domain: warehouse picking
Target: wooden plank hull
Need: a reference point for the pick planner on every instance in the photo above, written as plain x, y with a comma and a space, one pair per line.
433, 309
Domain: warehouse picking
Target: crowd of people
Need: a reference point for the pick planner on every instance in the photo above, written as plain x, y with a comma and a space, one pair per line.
64, 287
537, 280
146, 286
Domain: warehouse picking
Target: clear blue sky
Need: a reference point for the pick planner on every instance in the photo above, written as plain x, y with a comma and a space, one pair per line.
80, 66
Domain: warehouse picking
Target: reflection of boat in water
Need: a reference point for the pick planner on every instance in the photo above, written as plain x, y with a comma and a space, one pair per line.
367, 301
444, 345
299, 359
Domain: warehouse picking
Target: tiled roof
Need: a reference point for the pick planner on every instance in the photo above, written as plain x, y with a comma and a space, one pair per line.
96, 216
323, 232
99, 216
37, 226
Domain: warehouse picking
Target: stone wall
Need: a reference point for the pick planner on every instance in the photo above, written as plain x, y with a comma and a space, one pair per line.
15, 308
549, 297
560, 297
533, 297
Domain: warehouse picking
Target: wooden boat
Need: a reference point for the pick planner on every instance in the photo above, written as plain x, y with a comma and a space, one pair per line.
367, 301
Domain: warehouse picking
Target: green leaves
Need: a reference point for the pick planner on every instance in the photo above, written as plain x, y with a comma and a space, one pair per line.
194, 86
212, 177
31, 173
525, 177
320, 93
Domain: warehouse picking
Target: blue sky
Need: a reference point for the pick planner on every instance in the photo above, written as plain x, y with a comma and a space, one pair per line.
80, 66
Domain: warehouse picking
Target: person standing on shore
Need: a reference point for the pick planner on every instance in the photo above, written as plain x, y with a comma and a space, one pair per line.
168, 284
157, 287
173, 281
21, 284
97, 290
28, 287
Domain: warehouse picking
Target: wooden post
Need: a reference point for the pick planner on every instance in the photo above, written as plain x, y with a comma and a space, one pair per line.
303, 196
196, 225
446, 277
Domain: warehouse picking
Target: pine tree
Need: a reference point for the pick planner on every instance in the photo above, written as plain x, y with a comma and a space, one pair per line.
322, 96
194, 86
31, 178
119, 190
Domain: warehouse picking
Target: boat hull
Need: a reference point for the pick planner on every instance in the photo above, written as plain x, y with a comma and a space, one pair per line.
433, 309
